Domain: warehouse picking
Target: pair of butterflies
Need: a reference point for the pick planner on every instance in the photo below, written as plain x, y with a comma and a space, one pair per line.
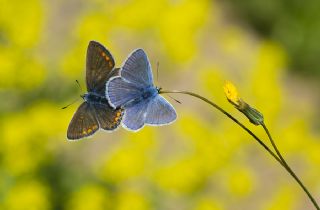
126, 95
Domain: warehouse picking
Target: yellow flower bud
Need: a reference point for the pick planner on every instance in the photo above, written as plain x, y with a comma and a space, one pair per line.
232, 94
252, 114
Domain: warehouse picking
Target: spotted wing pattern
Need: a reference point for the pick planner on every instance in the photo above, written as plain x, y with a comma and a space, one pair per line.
99, 67
83, 123
109, 119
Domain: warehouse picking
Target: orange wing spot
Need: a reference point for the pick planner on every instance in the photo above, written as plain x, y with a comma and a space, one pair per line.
89, 130
84, 132
94, 127
107, 58
116, 122
118, 114
103, 54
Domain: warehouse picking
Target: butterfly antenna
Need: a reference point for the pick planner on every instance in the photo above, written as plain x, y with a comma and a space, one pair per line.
70, 103
74, 101
158, 72
79, 85
175, 99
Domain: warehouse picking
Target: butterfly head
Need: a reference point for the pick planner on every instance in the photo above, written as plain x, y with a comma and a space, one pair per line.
84, 96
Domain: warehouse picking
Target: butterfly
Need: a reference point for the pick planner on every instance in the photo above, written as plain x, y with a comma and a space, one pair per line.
134, 91
95, 112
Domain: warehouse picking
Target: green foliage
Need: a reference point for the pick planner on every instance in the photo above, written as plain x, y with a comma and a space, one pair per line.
294, 24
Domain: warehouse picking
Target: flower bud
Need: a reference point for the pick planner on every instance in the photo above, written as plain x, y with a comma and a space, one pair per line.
251, 113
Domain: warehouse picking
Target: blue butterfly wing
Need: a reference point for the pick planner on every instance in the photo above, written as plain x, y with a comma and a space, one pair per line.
134, 117
160, 112
137, 69
119, 92
135, 76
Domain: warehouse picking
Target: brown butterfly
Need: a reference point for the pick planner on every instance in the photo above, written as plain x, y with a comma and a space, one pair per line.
95, 112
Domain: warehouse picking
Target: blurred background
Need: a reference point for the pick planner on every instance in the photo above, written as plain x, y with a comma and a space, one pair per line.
269, 49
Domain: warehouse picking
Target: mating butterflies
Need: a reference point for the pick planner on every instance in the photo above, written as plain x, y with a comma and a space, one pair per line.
134, 91
95, 112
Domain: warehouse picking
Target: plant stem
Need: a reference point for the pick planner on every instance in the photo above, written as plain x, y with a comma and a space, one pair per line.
229, 116
289, 169
279, 159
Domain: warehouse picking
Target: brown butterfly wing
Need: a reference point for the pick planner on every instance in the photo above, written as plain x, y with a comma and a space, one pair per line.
84, 123
108, 118
99, 67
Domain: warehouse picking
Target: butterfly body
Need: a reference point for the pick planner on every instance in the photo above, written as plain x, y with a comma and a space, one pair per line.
134, 91
95, 112
92, 98
146, 95
149, 92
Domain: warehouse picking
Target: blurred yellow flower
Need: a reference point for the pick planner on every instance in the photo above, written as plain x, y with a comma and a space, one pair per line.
240, 181
130, 159
43, 49
283, 198
131, 199
208, 203
30, 195
25, 147
88, 197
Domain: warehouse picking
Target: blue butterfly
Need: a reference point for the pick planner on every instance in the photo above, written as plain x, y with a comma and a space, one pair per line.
134, 91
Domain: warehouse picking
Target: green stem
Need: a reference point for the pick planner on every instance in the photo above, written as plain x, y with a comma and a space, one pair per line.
289, 169
229, 116
279, 159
